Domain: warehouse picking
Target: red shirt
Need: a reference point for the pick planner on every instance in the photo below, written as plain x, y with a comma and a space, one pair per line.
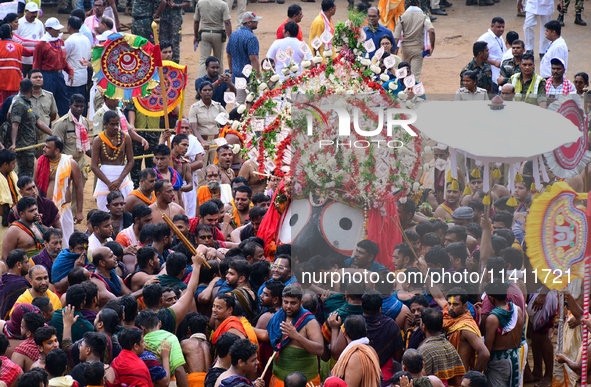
11, 64
51, 56
280, 32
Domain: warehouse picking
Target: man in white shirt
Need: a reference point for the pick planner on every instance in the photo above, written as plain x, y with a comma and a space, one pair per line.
558, 85
30, 28
77, 48
84, 30
470, 92
288, 43
510, 37
556, 49
496, 46
533, 9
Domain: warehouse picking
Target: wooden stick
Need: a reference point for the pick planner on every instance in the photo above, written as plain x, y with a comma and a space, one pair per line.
268, 364
162, 86
182, 238
399, 227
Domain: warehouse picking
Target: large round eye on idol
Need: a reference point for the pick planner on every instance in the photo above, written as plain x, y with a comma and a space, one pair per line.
342, 226
294, 220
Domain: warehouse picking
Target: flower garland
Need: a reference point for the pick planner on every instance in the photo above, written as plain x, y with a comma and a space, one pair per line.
360, 178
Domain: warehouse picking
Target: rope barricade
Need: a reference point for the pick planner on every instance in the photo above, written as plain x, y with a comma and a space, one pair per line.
29, 147
143, 157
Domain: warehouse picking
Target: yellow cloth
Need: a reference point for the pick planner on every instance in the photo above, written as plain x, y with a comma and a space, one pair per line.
317, 29
453, 328
249, 331
390, 11
6, 196
573, 340
196, 379
27, 298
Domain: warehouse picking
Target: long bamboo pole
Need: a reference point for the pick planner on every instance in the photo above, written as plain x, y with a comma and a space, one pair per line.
182, 238
162, 87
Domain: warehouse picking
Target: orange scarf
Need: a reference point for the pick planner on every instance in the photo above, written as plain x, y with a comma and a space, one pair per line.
370, 365
236, 216
104, 138
137, 193
454, 326
203, 194
225, 326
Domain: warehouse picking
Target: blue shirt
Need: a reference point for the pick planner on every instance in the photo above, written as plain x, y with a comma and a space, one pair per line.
218, 92
240, 46
377, 35
375, 266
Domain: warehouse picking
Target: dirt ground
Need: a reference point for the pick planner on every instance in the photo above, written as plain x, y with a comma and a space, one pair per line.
455, 35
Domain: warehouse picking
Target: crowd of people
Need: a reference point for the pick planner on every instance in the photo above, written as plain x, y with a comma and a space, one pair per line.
166, 279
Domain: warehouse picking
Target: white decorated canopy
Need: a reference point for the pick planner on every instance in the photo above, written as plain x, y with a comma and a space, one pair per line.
516, 133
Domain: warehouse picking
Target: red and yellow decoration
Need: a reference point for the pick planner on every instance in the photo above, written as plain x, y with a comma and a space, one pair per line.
175, 77
556, 236
125, 66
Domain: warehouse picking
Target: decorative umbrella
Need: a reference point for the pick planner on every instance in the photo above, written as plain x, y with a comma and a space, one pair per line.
571, 159
557, 238
175, 77
125, 66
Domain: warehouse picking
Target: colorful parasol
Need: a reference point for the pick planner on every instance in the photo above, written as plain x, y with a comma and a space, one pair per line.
570, 159
175, 77
125, 66
556, 236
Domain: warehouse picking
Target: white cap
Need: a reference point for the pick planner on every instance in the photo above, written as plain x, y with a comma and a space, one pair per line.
52, 22
32, 7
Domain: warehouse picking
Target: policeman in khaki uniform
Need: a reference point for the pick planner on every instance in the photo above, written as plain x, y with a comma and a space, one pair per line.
213, 16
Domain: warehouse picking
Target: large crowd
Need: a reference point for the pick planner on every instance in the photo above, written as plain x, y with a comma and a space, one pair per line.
165, 280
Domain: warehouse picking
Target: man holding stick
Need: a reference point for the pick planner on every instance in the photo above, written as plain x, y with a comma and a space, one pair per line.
164, 202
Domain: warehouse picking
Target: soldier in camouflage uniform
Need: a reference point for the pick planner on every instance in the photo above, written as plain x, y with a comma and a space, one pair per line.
26, 121
171, 24
143, 12
140, 121
578, 10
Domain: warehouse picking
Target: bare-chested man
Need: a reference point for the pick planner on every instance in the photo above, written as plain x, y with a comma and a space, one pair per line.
164, 171
301, 344
110, 286
62, 172
25, 233
452, 201
110, 148
463, 332
145, 193
249, 171
225, 157
196, 349
180, 163
504, 327
148, 267
240, 211
164, 204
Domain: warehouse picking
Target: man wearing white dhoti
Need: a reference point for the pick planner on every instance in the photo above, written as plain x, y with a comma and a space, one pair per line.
54, 175
195, 154
111, 148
